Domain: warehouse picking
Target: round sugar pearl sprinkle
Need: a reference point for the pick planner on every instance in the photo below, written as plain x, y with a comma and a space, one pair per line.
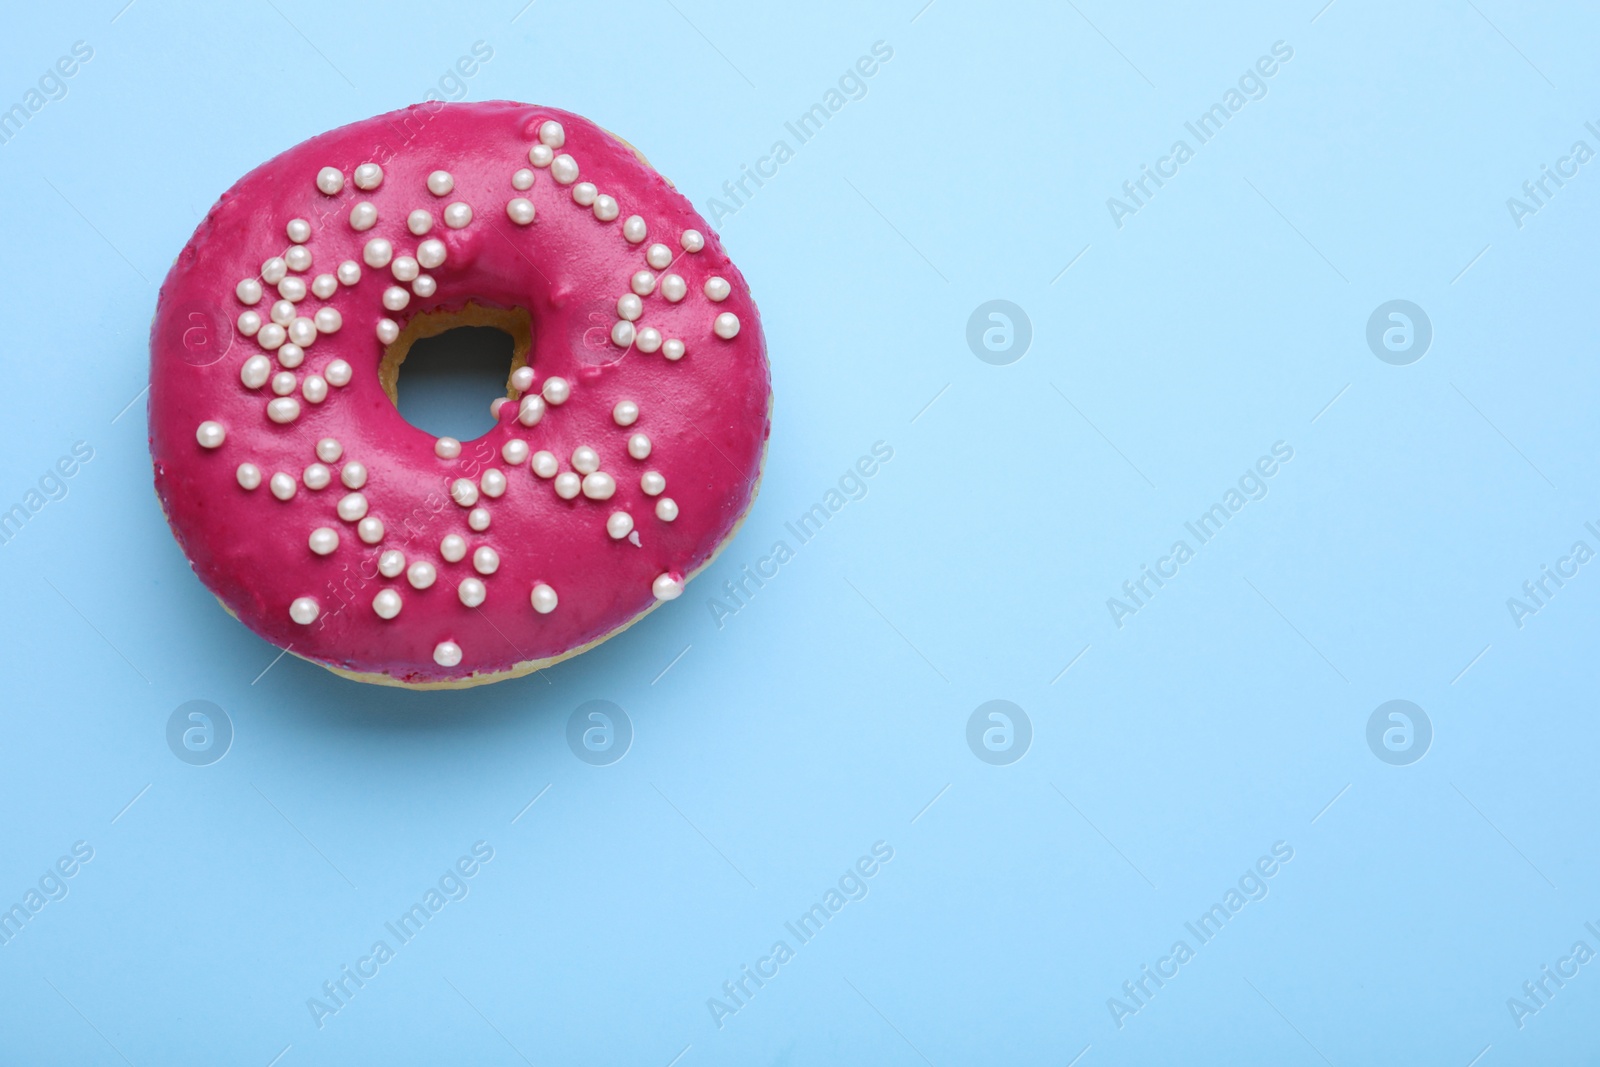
338, 373
726, 326
543, 598
522, 379
556, 390
692, 241
431, 253
395, 299
667, 587
440, 183
271, 335
493, 483
352, 506
522, 180
324, 286
353, 475
283, 383
666, 509
485, 560
495, 405
545, 464
453, 548
585, 460
249, 323
520, 211
463, 492
564, 169
282, 486
405, 269
651, 483
283, 410
249, 476
388, 329
314, 389
478, 519
349, 272
515, 452
317, 476
634, 229
531, 410
370, 530
386, 604
282, 312
329, 450
421, 574
302, 331
458, 215
330, 181
210, 434
647, 339
419, 222
391, 563
629, 307
625, 413
672, 349
540, 155
599, 486
605, 208
619, 524
292, 290
377, 252
639, 446
274, 270
291, 355
622, 333
299, 231
717, 289
552, 134
447, 448
304, 610
255, 372
584, 193
472, 592
327, 320
447, 654
298, 258
424, 286
568, 485
368, 176
643, 282
324, 540
659, 256
363, 216
248, 291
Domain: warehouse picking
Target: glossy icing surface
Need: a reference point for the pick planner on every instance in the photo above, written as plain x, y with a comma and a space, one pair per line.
328, 523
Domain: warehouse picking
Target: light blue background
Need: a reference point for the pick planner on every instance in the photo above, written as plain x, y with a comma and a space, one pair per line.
828, 713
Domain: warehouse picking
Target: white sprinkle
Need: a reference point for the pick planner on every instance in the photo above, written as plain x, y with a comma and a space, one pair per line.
478, 519
651, 483
338, 373
386, 604
625, 413
447, 448
672, 349
249, 476
463, 492
540, 155
368, 176
271, 335
531, 410
629, 307
543, 598
599, 486
391, 563
622, 333
299, 231
584, 193
585, 460
248, 291
363, 217
552, 134
666, 509
370, 530
556, 390
298, 258
327, 320
514, 452
421, 574
447, 654
282, 312
658, 256
282, 486
424, 286
485, 560
648, 339
440, 183
349, 272
522, 180
619, 524
324, 540
404, 269
419, 222
329, 450
283, 382
692, 241
568, 485
315, 389
564, 169
431, 253
634, 229
493, 483
396, 299
353, 475
522, 379
453, 548
605, 208
352, 506
283, 410
717, 289
304, 610
388, 329
302, 331
643, 282
726, 326
291, 355
255, 372
210, 434
520, 210
292, 289
317, 476
330, 181
324, 286
457, 215
274, 270
667, 586
639, 446
249, 323
377, 252
545, 464
472, 592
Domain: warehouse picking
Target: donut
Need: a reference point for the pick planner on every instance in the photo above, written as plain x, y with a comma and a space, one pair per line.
625, 451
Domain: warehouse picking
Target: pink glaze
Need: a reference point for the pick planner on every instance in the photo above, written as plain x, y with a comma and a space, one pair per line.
706, 415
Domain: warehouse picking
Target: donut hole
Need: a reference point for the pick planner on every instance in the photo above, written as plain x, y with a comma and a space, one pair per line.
446, 367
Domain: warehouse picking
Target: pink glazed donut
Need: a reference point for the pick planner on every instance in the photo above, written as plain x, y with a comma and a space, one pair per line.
625, 452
